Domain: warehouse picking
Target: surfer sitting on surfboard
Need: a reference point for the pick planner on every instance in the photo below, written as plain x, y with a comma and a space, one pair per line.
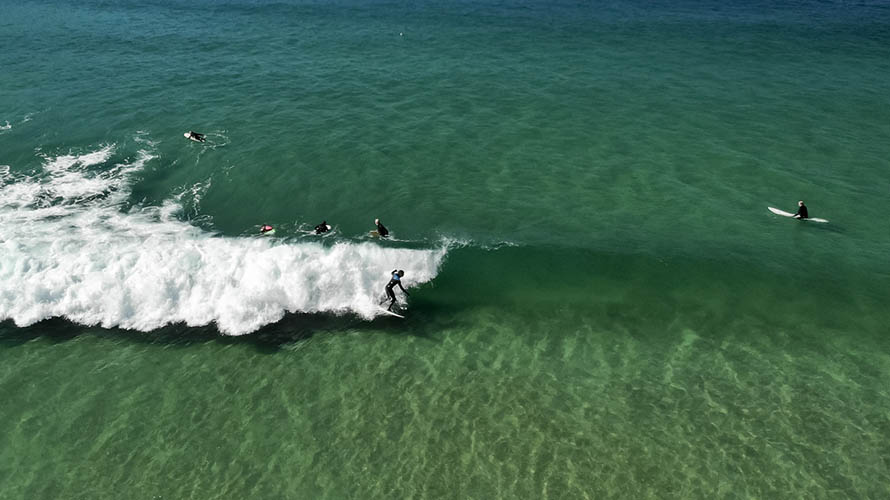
395, 280
381, 231
322, 228
195, 136
801, 211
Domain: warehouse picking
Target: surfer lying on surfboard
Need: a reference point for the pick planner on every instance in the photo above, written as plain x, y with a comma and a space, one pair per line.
194, 136
322, 228
395, 280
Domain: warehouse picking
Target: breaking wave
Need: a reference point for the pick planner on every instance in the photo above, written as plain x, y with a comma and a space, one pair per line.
70, 250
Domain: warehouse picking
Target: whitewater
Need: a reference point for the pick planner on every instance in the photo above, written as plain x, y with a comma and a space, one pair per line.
73, 248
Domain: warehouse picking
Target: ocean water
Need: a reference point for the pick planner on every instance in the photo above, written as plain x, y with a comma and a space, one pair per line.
601, 305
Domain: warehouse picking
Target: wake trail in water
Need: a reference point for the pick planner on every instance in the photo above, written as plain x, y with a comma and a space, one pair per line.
68, 250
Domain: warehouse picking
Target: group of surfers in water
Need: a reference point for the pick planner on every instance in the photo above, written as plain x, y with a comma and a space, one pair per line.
325, 227
397, 274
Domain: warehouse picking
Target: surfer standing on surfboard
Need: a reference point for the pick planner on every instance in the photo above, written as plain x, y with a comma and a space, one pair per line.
801, 211
395, 280
382, 231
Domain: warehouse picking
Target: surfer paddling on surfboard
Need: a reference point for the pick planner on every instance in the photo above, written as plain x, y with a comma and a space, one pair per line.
194, 136
395, 280
267, 229
322, 228
801, 211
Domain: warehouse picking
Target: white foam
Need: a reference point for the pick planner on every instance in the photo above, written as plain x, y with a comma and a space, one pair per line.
75, 254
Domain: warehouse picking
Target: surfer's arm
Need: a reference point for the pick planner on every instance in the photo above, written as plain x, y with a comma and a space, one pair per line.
403, 289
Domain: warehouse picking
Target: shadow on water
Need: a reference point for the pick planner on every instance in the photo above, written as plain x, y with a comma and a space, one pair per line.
434, 308
425, 320
621, 292
827, 228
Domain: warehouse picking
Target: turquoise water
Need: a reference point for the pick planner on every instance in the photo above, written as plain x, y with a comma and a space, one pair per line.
601, 305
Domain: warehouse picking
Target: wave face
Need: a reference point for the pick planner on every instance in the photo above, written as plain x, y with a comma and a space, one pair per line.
70, 250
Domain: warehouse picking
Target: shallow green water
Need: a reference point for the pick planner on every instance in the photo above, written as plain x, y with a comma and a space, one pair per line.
601, 305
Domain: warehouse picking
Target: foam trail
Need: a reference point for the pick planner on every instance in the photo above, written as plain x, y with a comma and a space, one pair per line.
68, 251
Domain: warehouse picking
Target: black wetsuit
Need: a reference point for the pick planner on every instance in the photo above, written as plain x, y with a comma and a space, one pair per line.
197, 136
382, 231
321, 228
802, 212
395, 280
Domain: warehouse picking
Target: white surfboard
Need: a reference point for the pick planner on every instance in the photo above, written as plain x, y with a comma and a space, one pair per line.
788, 214
384, 311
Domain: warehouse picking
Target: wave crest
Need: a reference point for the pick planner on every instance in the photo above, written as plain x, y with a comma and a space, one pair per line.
72, 253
